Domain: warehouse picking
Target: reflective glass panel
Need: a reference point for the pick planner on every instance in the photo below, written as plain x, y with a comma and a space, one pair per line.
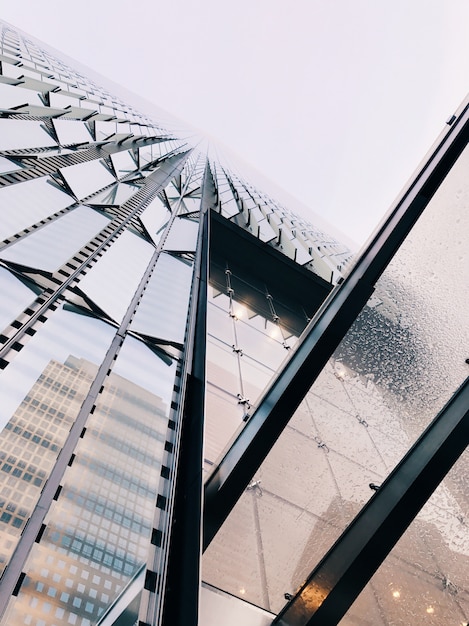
115, 195
123, 163
6, 165
98, 532
112, 282
154, 219
162, 312
42, 392
20, 134
19, 296
104, 130
28, 203
14, 96
61, 100
71, 132
397, 366
145, 154
182, 236
49, 247
86, 178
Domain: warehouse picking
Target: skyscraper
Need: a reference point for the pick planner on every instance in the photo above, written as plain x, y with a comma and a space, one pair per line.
166, 321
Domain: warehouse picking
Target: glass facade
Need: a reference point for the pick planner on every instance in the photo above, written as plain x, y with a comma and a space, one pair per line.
130, 262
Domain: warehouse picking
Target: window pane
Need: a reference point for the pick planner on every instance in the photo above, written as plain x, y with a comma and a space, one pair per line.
424, 579
86, 178
19, 296
15, 96
397, 366
100, 526
154, 219
123, 163
162, 312
71, 132
49, 247
28, 203
112, 282
42, 391
114, 196
182, 236
20, 134
6, 165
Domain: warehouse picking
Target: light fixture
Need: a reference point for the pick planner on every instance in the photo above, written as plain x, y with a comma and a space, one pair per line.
430, 609
396, 594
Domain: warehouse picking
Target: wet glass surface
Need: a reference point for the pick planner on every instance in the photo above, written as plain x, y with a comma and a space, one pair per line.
425, 578
98, 531
397, 366
49, 247
27, 203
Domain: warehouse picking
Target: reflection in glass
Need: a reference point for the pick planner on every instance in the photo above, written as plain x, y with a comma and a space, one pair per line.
28, 203
98, 532
424, 579
42, 391
49, 247
154, 219
397, 366
115, 195
123, 163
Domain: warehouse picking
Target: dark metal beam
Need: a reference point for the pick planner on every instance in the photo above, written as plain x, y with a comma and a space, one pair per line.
345, 570
324, 333
181, 601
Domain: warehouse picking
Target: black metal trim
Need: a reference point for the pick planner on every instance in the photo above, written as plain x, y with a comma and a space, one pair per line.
183, 570
345, 570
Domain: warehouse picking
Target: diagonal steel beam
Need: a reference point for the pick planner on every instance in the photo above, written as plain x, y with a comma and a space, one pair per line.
232, 474
342, 574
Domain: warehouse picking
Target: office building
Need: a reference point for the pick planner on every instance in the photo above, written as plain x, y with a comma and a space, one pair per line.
165, 322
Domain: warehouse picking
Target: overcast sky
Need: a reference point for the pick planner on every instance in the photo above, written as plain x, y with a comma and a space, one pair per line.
336, 101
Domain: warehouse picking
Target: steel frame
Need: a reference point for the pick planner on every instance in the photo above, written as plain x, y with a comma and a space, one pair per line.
232, 474
342, 574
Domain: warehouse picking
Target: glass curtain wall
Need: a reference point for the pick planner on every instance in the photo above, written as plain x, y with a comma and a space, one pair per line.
398, 365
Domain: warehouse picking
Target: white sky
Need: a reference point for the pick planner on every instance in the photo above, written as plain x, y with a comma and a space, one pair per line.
336, 101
